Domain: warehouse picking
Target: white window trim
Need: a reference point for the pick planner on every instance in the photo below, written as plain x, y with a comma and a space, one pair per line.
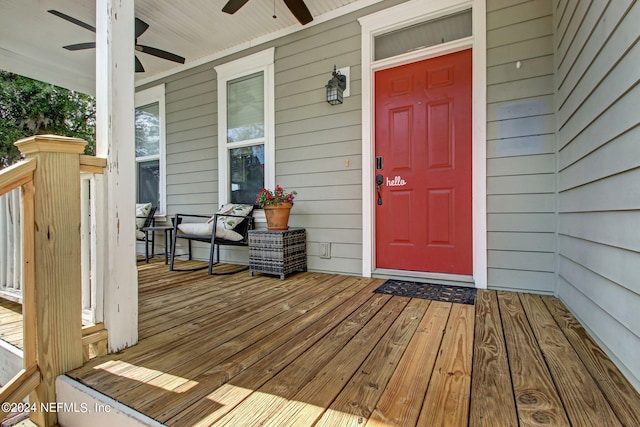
404, 15
261, 61
146, 97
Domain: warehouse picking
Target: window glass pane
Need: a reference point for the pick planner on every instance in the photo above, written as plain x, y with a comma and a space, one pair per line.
148, 130
247, 173
425, 34
149, 182
245, 108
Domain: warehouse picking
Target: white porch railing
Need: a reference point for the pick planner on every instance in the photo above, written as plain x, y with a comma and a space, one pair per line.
10, 246
11, 250
51, 261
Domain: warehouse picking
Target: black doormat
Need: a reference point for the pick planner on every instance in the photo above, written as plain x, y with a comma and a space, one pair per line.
445, 293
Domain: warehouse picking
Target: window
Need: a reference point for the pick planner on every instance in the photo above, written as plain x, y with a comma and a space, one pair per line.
425, 34
246, 127
150, 143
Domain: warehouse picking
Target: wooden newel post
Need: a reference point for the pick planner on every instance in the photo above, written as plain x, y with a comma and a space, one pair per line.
54, 304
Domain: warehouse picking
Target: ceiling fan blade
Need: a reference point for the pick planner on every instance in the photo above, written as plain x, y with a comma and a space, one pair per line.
80, 46
232, 6
139, 67
299, 10
72, 20
160, 53
141, 27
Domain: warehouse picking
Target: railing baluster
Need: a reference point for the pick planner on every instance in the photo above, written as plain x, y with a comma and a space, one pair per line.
10, 246
17, 244
88, 310
4, 244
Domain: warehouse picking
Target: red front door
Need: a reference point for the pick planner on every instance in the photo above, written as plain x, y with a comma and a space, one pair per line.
423, 165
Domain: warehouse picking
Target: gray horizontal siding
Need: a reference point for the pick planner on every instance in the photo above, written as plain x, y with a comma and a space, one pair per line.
598, 172
525, 242
191, 153
522, 146
318, 146
521, 203
521, 280
521, 125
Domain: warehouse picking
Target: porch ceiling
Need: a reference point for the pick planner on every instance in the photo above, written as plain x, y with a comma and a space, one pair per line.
31, 39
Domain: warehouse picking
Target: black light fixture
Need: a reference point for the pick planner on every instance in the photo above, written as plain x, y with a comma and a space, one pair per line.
335, 87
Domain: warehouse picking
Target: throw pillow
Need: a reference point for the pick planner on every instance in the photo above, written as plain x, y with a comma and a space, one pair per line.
240, 211
142, 211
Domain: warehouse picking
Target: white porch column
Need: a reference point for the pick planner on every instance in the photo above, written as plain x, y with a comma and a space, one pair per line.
115, 140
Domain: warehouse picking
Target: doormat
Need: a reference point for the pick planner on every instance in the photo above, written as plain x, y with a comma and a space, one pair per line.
444, 293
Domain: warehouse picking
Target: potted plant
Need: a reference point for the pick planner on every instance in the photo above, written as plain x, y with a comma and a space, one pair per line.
277, 206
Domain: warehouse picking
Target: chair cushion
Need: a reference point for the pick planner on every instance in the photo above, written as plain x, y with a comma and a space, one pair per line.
142, 211
205, 229
223, 233
225, 225
196, 228
140, 235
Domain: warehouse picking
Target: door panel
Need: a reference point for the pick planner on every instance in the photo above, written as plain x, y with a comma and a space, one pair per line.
440, 223
401, 122
439, 143
423, 134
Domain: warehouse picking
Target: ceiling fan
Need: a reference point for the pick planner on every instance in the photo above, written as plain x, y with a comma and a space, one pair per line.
141, 27
297, 8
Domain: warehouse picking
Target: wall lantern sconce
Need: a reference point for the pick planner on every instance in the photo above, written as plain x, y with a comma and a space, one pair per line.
335, 87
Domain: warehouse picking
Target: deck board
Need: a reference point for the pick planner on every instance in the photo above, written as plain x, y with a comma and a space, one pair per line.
401, 401
583, 400
242, 375
241, 351
359, 396
491, 376
617, 390
449, 393
535, 394
320, 349
305, 365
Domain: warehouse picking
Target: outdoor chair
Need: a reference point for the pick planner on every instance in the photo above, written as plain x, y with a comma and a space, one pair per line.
228, 227
145, 218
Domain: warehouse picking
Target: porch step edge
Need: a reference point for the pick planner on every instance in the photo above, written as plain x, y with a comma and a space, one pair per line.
89, 407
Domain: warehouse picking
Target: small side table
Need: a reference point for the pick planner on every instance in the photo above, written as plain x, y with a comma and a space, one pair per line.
168, 236
277, 251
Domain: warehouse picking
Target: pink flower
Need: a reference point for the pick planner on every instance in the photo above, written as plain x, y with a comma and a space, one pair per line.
266, 197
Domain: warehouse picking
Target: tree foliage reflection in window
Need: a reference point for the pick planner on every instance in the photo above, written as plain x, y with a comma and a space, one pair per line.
147, 123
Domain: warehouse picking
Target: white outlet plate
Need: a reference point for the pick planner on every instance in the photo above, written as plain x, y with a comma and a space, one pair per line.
325, 250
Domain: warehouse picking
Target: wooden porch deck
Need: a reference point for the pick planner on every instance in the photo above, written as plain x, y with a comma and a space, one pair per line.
318, 349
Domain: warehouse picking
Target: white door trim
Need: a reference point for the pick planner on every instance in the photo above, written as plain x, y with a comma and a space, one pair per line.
404, 15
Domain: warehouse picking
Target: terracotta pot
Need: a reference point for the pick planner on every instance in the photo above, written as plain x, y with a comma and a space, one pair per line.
278, 216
